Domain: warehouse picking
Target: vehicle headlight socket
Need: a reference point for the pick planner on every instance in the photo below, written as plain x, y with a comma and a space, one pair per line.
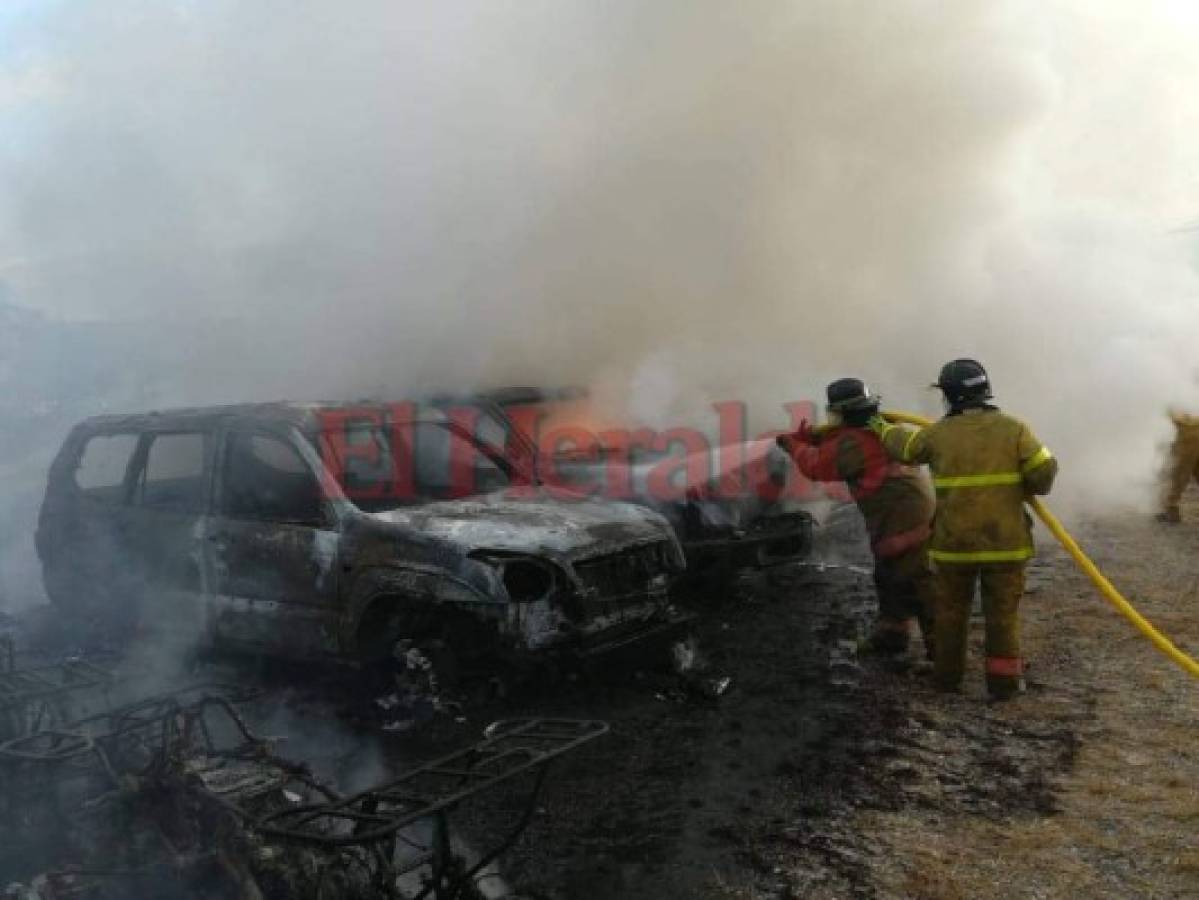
525, 578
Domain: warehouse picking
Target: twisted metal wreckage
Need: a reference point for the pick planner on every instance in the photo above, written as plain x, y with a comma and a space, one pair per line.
174, 795
32, 697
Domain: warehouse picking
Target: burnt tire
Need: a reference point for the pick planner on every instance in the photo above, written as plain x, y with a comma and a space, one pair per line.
389, 620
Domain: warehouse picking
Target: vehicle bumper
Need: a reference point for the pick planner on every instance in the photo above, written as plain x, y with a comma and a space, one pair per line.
770, 542
649, 637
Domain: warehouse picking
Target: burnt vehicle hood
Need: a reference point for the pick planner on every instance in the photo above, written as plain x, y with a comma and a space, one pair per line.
539, 523
731, 500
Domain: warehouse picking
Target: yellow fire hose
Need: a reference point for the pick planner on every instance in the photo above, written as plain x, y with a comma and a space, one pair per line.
1106, 588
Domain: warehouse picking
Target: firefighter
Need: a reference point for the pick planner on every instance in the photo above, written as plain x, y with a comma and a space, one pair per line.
1182, 465
895, 500
984, 463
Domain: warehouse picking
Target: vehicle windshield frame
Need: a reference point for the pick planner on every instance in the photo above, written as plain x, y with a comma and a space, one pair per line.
324, 440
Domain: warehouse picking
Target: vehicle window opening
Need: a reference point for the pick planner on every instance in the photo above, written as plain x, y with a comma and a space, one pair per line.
104, 466
266, 478
173, 476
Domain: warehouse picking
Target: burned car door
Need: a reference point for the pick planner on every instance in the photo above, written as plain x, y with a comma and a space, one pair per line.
271, 549
83, 528
168, 500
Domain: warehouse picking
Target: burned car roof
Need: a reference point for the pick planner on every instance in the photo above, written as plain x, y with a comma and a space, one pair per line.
293, 413
302, 415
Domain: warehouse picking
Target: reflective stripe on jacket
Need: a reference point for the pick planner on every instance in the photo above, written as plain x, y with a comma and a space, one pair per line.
896, 500
984, 462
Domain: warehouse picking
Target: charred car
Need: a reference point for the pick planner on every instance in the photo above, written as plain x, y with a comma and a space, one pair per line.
753, 525
326, 530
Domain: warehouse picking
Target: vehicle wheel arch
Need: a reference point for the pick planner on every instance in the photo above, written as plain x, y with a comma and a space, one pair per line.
387, 603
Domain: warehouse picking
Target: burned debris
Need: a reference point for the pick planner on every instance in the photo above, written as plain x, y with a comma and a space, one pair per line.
287, 531
175, 796
35, 698
382, 817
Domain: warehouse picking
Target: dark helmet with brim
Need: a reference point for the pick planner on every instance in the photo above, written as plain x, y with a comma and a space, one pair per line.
851, 395
964, 380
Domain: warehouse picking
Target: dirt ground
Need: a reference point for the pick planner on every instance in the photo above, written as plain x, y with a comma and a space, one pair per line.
820, 776
1112, 724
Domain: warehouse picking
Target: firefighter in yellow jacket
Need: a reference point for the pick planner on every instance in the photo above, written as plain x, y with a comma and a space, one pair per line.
984, 463
1181, 466
896, 501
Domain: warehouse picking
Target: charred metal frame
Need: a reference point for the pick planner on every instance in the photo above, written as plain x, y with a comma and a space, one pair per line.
151, 738
151, 743
28, 696
151, 728
374, 817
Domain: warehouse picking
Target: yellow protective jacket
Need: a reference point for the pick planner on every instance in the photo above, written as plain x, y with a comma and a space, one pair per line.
984, 462
1186, 426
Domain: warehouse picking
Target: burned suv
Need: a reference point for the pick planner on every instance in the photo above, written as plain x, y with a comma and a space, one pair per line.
326, 530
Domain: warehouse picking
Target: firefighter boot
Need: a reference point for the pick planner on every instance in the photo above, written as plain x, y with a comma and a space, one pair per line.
1170, 515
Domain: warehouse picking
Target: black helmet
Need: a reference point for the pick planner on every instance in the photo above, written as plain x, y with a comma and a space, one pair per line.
963, 381
851, 395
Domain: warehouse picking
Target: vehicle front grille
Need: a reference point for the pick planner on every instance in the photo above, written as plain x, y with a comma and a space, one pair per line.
616, 575
783, 523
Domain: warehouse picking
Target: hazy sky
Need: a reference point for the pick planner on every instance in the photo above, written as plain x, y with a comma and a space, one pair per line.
676, 201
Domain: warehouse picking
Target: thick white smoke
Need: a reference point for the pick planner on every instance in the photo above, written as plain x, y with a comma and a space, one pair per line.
679, 202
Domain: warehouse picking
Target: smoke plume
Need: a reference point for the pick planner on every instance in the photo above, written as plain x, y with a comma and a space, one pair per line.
677, 203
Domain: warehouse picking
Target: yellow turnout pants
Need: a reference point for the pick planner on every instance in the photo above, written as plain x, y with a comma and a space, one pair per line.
1002, 587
